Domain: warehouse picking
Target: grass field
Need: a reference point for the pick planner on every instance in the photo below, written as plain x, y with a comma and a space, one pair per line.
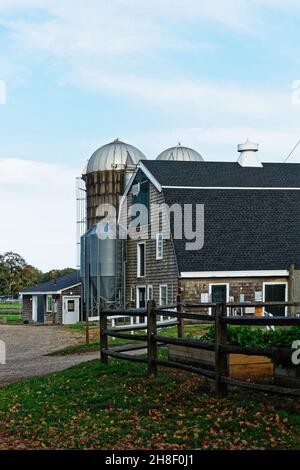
10, 312
94, 343
10, 306
93, 406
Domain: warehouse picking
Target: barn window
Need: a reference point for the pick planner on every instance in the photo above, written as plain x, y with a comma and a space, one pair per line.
163, 294
141, 259
49, 303
159, 246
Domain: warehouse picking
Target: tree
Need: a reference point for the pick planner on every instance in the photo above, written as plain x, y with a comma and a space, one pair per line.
54, 273
30, 276
16, 274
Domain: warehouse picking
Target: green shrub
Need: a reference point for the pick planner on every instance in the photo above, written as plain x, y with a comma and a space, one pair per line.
246, 336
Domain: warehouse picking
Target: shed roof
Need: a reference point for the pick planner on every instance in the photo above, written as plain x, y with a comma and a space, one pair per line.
55, 286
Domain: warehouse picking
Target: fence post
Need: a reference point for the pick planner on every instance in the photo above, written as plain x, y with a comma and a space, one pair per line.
151, 339
103, 336
180, 327
221, 362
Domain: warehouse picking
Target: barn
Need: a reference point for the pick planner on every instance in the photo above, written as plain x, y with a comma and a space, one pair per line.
250, 245
249, 248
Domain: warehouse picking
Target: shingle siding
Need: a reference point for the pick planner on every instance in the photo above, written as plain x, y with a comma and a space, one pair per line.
191, 289
158, 272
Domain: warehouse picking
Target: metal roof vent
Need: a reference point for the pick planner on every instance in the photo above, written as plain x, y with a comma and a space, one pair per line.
248, 156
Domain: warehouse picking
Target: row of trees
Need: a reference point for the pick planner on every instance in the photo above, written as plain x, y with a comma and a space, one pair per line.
16, 274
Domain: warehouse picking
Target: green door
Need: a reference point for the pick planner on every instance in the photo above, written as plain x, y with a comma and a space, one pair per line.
275, 293
218, 294
40, 308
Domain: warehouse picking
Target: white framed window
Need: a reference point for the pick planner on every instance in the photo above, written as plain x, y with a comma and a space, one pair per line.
141, 259
159, 245
275, 292
149, 292
163, 294
49, 303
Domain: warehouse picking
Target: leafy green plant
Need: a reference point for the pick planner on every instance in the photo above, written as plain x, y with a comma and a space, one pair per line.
248, 336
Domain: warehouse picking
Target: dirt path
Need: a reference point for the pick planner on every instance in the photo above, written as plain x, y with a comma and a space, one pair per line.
26, 347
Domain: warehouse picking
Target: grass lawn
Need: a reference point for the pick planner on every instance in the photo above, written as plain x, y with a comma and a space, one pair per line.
10, 306
93, 406
94, 343
11, 313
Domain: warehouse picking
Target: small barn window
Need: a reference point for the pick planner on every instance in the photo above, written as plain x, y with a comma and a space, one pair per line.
49, 303
141, 259
163, 295
159, 246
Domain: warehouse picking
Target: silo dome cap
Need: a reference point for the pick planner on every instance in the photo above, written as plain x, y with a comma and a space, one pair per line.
115, 155
180, 153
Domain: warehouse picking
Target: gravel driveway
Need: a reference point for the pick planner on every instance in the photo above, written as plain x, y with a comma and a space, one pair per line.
26, 347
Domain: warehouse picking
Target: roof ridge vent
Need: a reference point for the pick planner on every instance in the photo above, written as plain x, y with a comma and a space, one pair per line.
248, 156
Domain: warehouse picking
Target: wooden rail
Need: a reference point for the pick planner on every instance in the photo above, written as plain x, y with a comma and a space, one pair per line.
153, 340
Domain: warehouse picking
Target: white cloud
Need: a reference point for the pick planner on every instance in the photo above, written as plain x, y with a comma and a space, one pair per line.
98, 28
38, 212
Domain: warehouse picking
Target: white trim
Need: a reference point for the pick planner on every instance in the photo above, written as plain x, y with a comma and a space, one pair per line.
138, 258
167, 294
149, 286
157, 256
218, 284
277, 284
132, 294
34, 308
210, 274
232, 187
129, 184
52, 301
150, 177
137, 300
124, 195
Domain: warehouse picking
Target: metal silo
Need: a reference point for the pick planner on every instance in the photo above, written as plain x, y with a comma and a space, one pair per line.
102, 260
107, 172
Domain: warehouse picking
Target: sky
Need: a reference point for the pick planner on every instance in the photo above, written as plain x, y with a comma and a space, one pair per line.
76, 74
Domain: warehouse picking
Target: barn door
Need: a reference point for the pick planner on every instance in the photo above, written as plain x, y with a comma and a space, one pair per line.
40, 308
218, 294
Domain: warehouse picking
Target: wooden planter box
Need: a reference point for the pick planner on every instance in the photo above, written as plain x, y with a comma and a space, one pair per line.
241, 366
287, 376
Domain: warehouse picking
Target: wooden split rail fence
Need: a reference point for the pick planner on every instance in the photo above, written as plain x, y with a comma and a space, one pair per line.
154, 338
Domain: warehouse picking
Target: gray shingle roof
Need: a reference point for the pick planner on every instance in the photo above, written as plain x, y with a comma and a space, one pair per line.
243, 229
215, 174
61, 283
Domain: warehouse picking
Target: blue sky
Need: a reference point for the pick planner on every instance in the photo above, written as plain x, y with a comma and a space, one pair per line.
80, 73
